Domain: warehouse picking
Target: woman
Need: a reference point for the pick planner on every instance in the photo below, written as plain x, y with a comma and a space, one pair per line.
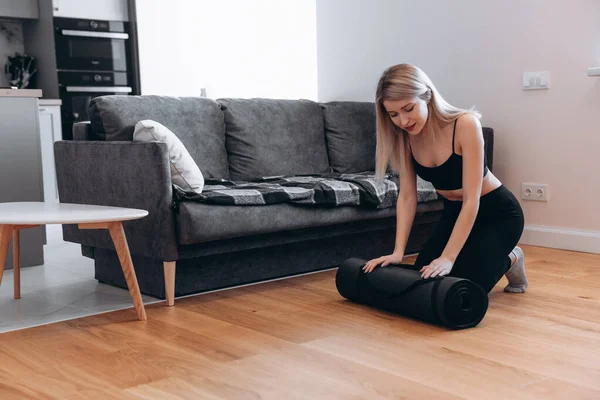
419, 133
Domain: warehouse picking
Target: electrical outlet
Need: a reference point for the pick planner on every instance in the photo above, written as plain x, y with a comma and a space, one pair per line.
534, 191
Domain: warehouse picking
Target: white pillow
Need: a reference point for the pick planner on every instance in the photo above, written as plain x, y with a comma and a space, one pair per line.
184, 171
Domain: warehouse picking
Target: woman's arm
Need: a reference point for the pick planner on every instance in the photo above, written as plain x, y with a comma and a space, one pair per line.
406, 207
470, 138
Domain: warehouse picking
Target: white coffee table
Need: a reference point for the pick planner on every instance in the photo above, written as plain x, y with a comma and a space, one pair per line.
23, 215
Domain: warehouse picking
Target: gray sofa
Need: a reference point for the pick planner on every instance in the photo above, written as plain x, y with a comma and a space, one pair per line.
219, 246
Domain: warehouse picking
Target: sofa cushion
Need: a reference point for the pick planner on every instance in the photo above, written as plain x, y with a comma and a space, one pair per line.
197, 122
350, 131
267, 137
184, 171
198, 222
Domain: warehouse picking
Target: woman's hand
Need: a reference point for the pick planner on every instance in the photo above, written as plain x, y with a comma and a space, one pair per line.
440, 266
393, 258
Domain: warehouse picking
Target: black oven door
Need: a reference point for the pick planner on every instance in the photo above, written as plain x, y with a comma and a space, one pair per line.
96, 51
76, 101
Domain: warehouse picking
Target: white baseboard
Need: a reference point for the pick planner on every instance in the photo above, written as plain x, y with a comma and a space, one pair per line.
562, 238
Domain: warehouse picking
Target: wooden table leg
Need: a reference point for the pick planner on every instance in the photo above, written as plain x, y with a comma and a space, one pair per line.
169, 267
5, 235
17, 263
118, 236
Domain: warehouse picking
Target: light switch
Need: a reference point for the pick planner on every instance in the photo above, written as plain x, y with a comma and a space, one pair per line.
536, 80
594, 71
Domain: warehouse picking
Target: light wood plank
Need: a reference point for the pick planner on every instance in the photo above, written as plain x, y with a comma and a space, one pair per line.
298, 338
19, 227
556, 389
96, 225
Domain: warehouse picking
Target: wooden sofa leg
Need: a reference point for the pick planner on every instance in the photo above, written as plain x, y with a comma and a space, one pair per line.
170, 282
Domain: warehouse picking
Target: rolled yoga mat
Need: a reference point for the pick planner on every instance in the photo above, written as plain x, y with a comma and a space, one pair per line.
449, 301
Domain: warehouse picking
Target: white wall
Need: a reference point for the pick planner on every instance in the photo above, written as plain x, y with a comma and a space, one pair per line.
238, 48
475, 52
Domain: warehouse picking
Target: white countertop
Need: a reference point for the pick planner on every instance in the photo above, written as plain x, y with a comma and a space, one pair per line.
20, 92
49, 102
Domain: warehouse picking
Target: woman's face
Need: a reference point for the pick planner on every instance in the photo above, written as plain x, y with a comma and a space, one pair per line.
408, 114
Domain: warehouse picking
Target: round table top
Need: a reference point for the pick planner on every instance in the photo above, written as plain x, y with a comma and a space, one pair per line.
40, 213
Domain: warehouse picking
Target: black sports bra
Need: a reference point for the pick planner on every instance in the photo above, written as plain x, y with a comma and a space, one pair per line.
447, 176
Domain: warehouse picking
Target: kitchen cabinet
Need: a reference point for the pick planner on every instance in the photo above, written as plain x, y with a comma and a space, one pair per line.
110, 10
50, 132
27, 9
20, 163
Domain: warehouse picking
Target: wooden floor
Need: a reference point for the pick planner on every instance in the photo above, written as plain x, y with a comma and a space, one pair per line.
298, 339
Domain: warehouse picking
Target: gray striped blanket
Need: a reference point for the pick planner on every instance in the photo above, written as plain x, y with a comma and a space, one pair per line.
334, 190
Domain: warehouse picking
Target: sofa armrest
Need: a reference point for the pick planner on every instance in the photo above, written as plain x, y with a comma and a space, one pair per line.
82, 131
488, 138
122, 174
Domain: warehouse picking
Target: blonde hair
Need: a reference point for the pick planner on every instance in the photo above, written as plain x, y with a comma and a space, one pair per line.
400, 82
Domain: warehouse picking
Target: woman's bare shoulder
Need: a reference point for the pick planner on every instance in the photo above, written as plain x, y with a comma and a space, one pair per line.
468, 130
468, 122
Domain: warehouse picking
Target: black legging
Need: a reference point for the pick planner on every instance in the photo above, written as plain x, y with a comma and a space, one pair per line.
484, 258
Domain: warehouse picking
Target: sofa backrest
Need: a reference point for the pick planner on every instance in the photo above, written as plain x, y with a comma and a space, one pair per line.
197, 122
350, 133
267, 137
248, 138
350, 129
488, 139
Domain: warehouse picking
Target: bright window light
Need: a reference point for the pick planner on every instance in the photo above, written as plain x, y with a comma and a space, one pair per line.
233, 48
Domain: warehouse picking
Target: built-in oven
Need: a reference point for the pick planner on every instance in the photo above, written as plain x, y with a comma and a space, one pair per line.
83, 44
78, 88
94, 58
